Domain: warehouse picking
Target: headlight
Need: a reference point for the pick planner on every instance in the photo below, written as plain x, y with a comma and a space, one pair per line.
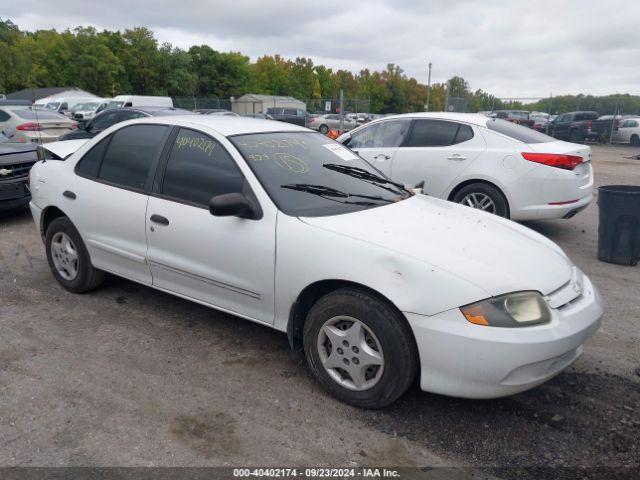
520, 309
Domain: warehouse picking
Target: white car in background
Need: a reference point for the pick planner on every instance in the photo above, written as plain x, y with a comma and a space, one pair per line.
628, 131
486, 163
376, 284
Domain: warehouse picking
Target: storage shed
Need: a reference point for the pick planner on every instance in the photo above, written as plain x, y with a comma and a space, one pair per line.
256, 103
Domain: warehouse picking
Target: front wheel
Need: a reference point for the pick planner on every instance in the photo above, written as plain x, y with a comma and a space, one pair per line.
483, 197
68, 257
324, 129
359, 348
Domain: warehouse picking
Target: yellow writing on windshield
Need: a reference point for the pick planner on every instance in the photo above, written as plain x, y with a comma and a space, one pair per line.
291, 162
281, 143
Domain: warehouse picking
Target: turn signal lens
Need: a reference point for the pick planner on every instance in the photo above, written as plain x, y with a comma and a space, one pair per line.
475, 315
519, 309
566, 162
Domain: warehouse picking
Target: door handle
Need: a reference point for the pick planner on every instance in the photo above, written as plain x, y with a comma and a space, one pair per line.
155, 218
69, 194
386, 157
456, 156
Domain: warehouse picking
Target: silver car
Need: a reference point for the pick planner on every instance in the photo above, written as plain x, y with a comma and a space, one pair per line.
331, 121
24, 124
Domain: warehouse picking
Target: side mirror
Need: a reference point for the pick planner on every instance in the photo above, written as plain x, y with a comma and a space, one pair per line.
231, 205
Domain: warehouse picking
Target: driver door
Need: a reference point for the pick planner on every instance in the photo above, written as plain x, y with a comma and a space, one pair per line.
225, 262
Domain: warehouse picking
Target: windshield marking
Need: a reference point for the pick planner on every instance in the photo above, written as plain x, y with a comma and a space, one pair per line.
291, 162
201, 143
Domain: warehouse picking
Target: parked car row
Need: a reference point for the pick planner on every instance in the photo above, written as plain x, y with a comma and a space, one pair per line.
396, 286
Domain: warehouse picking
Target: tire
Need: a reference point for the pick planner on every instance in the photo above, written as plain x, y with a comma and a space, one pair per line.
381, 328
65, 259
476, 195
635, 140
323, 129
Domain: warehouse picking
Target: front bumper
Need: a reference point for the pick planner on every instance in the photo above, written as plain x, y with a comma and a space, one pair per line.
460, 359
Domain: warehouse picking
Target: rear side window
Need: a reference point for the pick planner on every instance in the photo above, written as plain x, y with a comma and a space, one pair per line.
104, 120
199, 168
130, 155
518, 132
4, 116
28, 114
586, 116
89, 164
434, 133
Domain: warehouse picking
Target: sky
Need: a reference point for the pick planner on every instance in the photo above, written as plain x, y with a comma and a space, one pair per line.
510, 48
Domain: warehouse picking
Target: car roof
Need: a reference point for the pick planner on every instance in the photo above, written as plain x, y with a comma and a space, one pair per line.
473, 118
223, 124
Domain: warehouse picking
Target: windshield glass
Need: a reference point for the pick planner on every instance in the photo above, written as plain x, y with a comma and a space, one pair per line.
309, 175
53, 105
115, 104
518, 132
86, 106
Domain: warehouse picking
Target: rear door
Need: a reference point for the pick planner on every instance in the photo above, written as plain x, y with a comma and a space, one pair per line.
377, 143
436, 152
108, 198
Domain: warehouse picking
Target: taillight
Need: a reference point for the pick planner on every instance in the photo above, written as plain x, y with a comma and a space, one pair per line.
589, 124
74, 125
566, 162
30, 127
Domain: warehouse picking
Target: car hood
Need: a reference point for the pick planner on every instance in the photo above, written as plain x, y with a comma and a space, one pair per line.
496, 255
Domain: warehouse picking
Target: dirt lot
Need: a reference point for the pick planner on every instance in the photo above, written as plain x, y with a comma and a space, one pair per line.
130, 376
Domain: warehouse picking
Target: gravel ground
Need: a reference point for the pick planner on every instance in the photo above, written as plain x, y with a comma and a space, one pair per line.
128, 376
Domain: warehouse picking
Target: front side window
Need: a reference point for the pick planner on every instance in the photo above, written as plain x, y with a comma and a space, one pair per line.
389, 134
130, 155
199, 168
306, 174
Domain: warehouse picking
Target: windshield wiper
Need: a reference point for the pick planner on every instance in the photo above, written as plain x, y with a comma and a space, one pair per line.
365, 175
332, 193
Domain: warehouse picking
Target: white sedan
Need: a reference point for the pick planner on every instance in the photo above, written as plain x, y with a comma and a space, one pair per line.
627, 132
486, 163
286, 228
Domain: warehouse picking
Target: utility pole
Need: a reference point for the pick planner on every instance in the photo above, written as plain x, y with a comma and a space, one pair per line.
341, 112
426, 107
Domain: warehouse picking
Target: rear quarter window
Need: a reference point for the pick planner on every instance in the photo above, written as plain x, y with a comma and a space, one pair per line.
518, 132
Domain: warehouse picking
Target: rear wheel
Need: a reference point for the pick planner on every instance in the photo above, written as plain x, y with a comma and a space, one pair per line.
324, 129
68, 257
635, 140
483, 197
359, 348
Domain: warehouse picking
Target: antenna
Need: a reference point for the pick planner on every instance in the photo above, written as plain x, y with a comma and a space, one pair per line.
33, 101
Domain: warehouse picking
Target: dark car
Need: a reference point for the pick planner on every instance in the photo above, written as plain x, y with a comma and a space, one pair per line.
109, 117
16, 159
520, 117
573, 126
296, 116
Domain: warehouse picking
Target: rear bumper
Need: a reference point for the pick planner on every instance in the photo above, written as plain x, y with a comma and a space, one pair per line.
20, 199
461, 359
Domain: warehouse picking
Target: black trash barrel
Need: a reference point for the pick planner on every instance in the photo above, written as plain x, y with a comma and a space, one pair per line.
619, 225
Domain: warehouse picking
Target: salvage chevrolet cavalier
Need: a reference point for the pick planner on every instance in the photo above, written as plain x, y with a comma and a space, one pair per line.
280, 225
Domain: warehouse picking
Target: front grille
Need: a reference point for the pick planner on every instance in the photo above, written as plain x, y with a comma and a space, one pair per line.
16, 170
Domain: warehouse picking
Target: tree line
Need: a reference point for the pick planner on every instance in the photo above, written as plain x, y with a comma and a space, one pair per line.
108, 63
